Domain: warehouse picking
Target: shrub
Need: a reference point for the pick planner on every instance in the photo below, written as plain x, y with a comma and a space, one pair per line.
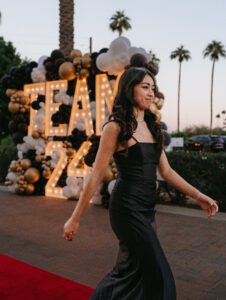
205, 171
8, 152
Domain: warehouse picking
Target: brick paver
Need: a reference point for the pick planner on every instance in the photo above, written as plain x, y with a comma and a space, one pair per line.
31, 230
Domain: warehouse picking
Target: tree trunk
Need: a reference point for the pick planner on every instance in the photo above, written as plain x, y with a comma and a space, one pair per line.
178, 99
66, 26
211, 98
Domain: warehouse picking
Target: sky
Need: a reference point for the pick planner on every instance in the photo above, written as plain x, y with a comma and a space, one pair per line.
160, 26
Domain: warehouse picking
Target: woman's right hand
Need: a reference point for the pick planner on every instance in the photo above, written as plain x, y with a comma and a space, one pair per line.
207, 204
70, 229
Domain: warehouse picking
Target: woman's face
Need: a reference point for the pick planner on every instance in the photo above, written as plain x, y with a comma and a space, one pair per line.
143, 93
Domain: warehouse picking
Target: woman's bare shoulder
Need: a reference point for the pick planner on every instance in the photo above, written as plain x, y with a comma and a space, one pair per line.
112, 127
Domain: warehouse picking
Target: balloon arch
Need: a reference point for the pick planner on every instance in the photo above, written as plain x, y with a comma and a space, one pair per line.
58, 107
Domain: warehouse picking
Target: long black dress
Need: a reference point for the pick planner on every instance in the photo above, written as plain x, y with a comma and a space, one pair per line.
141, 271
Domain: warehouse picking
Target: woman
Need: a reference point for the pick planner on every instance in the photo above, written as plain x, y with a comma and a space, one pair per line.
134, 138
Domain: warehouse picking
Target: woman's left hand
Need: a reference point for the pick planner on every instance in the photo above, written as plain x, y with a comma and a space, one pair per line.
207, 204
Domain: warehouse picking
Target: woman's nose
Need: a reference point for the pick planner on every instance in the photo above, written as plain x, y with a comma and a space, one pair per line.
151, 93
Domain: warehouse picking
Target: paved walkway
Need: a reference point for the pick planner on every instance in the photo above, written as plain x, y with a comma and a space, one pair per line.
31, 230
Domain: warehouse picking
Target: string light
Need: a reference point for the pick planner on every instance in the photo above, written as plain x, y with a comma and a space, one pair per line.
51, 189
104, 97
51, 107
32, 91
81, 93
73, 166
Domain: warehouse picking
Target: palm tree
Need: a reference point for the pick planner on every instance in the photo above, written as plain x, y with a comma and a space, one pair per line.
181, 54
214, 50
66, 26
154, 58
119, 22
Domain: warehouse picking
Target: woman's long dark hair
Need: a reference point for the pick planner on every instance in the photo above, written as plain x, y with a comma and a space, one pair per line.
122, 111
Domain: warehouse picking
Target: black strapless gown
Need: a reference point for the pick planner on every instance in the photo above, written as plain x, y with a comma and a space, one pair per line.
141, 271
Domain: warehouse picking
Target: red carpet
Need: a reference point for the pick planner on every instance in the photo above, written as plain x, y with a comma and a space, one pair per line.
20, 281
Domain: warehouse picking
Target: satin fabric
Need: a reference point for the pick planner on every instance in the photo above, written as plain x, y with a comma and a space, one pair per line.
141, 271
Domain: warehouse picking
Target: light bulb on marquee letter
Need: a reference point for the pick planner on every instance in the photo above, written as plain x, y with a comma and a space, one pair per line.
81, 93
51, 189
51, 107
33, 90
104, 95
72, 169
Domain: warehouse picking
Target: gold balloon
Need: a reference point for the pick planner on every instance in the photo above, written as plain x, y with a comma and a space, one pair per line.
35, 134
38, 158
114, 169
76, 53
13, 107
86, 62
108, 176
70, 152
46, 174
29, 189
22, 109
17, 188
20, 93
18, 180
159, 116
32, 175
153, 108
21, 189
77, 61
10, 92
159, 102
19, 168
13, 167
66, 71
87, 54
25, 163
84, 73
24, 100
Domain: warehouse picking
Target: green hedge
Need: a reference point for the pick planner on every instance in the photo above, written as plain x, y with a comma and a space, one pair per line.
205, 171
8, 152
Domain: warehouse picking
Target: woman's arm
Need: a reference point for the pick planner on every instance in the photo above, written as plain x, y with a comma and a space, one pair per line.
176, 181
107, 146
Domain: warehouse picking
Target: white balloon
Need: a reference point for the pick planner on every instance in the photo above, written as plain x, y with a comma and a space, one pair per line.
103, 62
118, 45
38, 75
20, 154
93, 109
97, 197
71, 100
42, 59
81, 125
62, 97
123, 59
12, 176
12, 188
111, 186
126, 40
66, 192
24, 148
18, 147
133, 50
71, 180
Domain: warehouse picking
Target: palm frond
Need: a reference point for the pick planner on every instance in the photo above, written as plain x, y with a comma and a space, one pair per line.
214, 50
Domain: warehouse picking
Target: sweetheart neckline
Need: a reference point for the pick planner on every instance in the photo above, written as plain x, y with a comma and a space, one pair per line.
151, 143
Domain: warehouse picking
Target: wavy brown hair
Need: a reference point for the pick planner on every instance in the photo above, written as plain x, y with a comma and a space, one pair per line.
122, 111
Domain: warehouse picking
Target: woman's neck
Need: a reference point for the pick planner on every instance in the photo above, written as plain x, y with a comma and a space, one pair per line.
139, 114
